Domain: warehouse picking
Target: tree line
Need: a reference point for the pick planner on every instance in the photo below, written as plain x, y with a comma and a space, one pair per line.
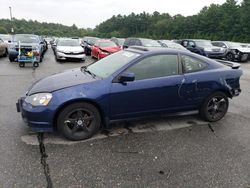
229, 21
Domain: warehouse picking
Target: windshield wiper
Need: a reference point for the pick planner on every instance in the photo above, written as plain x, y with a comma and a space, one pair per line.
84, 68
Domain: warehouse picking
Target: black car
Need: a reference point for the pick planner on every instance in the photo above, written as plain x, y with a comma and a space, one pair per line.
140, 42
87, 43
203, 47
234, 51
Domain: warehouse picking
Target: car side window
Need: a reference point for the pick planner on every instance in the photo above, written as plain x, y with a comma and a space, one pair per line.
191, 44
138, 43
191, 64
155, 66
132, 42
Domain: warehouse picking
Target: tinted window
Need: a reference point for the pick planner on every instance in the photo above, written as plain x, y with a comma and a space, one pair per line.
155, 66
107, 44
191, 44
68, 42
26, 38
192, 64
138, 43
132, 42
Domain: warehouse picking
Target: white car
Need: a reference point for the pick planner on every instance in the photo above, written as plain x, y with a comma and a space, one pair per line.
69, 49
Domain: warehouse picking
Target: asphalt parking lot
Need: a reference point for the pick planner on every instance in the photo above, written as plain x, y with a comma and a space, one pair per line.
165, 151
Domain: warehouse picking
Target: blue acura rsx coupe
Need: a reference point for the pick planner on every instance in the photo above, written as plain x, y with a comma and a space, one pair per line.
136, 82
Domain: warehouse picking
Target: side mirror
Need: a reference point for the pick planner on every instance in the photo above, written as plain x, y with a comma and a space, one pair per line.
193, 45
126, 77
9, 41
41, 42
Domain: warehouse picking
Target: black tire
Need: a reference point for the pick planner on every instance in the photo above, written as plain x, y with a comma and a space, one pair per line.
22, 64
230, 57
79, 121
36, 64
214, 107
11, 59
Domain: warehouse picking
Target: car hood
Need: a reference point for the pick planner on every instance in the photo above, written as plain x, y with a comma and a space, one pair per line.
59, 81
111, 49
69, 49
243, 50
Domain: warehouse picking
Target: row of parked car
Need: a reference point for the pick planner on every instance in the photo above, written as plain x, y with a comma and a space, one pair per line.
231, 51
79, 48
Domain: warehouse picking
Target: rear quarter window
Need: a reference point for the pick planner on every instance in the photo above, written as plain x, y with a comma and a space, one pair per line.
191, 64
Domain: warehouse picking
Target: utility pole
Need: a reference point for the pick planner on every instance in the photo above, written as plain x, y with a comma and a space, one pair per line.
11, 18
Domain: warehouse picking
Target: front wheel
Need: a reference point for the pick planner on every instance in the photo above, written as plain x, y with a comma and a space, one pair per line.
79, 121
230, 57
214, 107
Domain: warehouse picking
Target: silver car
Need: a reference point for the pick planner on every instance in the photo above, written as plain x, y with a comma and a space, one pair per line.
68, 48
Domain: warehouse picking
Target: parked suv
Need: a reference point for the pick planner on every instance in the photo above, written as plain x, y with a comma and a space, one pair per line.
26, 42
140, 42
203, 47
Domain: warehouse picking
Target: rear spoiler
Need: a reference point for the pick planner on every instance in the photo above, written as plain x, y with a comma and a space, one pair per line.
229, 63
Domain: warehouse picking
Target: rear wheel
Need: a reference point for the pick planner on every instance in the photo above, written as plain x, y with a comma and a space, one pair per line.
214, 107
79, 121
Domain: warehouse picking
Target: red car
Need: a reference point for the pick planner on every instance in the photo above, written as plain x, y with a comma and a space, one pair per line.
103, 48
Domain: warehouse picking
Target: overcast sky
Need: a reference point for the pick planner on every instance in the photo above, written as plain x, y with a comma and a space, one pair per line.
89, 13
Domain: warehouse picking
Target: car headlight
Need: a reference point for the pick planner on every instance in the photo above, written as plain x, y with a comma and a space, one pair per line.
39, 99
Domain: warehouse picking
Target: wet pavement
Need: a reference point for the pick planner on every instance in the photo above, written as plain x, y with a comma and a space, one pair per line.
181, 151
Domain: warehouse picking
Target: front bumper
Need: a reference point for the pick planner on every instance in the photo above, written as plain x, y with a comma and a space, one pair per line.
63, 56
39, 119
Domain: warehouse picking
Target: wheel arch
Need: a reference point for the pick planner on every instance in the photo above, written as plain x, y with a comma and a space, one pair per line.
104, 122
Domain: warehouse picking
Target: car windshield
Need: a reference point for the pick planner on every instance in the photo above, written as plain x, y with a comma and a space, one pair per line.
26, 38
174, 45
5, 37
107, 44
203, 43
68, 42
110, 64
91, 40
234, 45
150, 43
121, 41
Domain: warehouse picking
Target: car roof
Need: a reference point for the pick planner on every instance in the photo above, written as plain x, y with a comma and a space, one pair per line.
142, 49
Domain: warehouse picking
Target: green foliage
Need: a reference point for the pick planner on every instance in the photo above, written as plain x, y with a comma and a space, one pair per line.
46, 29
229, 21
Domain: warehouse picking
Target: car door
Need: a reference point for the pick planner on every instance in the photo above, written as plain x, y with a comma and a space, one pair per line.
155, 88
196, 84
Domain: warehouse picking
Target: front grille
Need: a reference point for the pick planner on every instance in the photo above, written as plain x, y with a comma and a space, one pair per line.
73, 53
